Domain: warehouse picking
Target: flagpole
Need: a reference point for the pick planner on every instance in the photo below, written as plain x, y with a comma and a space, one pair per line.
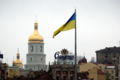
75, 49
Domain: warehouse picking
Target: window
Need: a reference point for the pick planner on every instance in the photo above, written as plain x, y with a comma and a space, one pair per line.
31, 59
40, 48
31, 48
41, 59
112, 77
106, 55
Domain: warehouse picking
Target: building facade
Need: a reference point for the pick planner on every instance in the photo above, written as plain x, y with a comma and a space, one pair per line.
3, 71
36, 59
110, 72
63, 67
62, 72
110, 55
95, 73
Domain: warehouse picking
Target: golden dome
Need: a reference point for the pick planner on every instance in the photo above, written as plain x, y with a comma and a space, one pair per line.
18, 62
36, 37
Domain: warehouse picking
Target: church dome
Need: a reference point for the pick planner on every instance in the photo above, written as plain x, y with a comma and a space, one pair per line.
18, 62
83, 60
35, 37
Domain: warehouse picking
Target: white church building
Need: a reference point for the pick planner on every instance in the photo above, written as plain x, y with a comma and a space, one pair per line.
36, 59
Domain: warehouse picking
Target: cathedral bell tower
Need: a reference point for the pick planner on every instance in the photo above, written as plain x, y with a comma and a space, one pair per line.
36, 59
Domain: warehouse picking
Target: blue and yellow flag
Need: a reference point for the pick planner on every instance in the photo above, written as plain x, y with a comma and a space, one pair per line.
70, 24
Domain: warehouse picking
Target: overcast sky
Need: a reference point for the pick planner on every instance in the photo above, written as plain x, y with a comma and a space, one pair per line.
98, 26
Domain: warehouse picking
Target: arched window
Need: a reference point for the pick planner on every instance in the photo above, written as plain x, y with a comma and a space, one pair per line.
40, 48
31, 48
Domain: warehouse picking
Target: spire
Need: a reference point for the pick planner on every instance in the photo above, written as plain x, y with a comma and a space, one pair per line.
13, 61
36, 23
18, 55
35, 26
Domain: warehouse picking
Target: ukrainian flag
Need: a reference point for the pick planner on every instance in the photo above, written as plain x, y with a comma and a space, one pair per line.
70, 24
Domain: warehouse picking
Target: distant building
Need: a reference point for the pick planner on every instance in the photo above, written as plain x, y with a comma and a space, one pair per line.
110, 55
62, 72
63, 67
17, 68
3, 71
110, 72
14, 71
82, 60
18, 63
36, 59
95, 73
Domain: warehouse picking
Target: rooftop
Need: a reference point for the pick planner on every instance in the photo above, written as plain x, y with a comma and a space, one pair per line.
109, 50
